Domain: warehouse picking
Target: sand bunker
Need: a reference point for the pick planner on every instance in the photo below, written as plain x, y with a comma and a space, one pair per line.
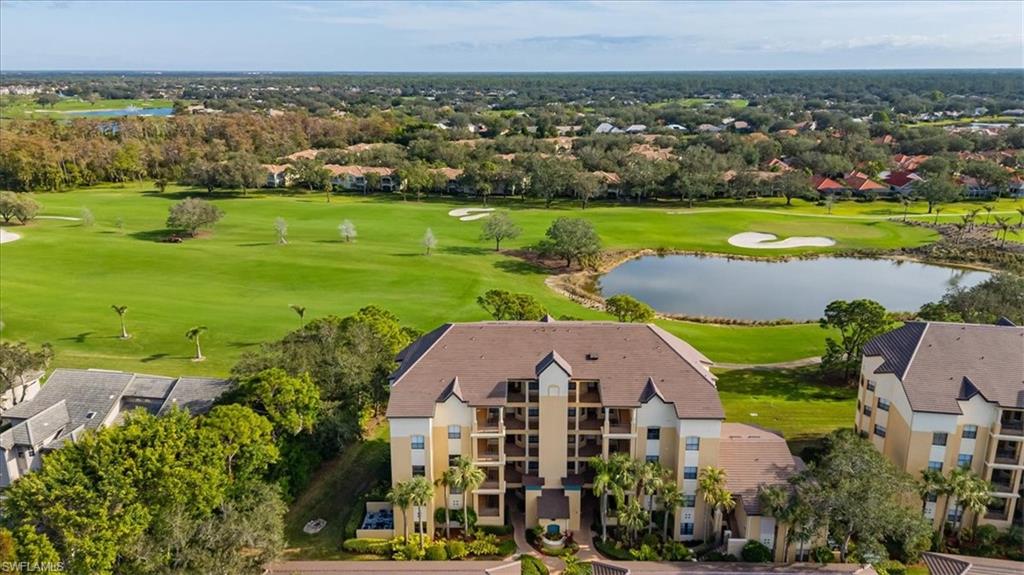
6, 236
470, 214
760, 241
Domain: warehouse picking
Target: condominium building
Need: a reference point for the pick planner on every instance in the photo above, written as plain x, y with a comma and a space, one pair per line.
531, 402
942, 395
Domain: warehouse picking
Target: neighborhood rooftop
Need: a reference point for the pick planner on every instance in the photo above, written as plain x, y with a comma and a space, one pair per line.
942, 363
754, 456
484, 356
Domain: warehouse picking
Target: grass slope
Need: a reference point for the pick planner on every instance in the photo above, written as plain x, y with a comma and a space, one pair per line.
58, 282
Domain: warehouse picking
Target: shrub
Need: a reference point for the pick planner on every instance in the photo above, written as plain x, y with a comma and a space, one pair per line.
368, 546
530, 565
719, 556
609, 549
484, 544
456, 549
533, 534
822, 554
889, 567
495, 529
507, 547
455, 515
436, 552
675, 551
650, 539
756, 552
644, 553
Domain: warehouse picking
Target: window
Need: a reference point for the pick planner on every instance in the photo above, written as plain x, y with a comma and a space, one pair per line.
531, 467
418, 471
883, 404
692, 443
879, 430
689, 500
454, 432
964, 460
686, 529
533, 439
652, 459
954, 513
653, 433
932, 497
935, 465
871, 385
533, 412
452, 459
417, 441
689, 473
867, 410
939, 438
970, 432
572, 412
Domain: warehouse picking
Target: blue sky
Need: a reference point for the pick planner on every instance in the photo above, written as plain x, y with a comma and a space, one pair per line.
508, 36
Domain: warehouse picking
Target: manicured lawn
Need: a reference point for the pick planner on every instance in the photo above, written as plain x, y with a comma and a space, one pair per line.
793, 402
878, 209
1013, 236
334, 495
58, 282
26, 107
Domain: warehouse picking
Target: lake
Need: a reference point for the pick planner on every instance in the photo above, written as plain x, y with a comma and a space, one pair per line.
794, 289
119, 112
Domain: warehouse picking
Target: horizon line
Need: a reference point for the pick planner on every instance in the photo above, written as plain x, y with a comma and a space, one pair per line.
491, 72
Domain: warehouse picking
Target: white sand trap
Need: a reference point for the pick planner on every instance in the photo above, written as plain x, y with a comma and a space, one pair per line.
760, 241
6, 236
470, 214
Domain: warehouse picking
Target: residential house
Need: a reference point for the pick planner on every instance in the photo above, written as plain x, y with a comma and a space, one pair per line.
636, 129
74, 401
906, 163
779, 165
974, 188
607, 128
453, 184
612, 182
860, 184
740, 126
708, 128
943, 395
353, 178
825, 185
308, 154
901, 182
277, 175
24, 389
531, 401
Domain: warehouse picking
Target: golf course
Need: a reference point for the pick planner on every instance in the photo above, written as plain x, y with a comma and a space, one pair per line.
61, 277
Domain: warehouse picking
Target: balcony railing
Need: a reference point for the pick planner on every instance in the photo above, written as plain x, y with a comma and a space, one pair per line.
517, 397
488, 512
591, 424
513, 450
1006, 458
490, 484
488, 456
515, 423
996, 515
1012, 428
1002, 488
590, 397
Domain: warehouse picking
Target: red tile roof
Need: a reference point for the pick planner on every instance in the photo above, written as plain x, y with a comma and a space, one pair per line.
825, 184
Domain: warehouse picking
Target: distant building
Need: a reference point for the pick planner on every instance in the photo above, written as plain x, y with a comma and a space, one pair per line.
73, 401
277, 175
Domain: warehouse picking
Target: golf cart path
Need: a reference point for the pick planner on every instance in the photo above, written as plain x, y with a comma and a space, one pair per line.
780, 365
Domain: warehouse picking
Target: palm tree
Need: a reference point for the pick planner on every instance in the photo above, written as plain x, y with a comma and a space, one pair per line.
468, 478
932, 483
988, 211
633, 517
774, 502
938, 210
420, 494
400, 497
906, 201
602, 483
972, 494
193, 334
120, 310
1020, 225
711, 484
447, 480
300, 310
670, 498
973, 215
1004, 225
829, 200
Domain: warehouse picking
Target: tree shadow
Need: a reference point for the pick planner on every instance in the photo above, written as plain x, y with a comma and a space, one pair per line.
465, 250
256, 244
154, 357
156, 235
80, 338
520, 267
242, 344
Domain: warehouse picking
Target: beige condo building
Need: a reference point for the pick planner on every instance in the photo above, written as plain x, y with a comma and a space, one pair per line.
941, 395
531, 402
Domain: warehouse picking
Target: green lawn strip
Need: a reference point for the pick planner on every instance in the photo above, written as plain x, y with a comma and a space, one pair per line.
335, 494
27, 107
59, 281
793, 402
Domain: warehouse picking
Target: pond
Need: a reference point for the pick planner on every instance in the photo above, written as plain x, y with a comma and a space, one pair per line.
119, 112
793, 289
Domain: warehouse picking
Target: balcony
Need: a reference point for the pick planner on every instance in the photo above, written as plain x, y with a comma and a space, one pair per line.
589, 396
516, 397
1005, 458
1015, 429
512, 475
591, 424
586, 450
513, 423
488, 422
488, 512
1002, 488
513, 450
619, 421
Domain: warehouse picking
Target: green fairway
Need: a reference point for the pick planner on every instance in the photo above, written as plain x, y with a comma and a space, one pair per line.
791, 401
59, 281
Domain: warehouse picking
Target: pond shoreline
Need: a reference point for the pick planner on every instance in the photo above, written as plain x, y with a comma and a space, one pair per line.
580, 285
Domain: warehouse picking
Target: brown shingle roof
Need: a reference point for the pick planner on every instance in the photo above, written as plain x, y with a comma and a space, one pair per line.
941, 363
946, 564
485, 355
751, 457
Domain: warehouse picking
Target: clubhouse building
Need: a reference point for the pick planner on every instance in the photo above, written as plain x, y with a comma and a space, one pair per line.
943, 395
530, 402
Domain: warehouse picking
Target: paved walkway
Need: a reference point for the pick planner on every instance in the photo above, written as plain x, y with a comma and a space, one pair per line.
780, 365
554, 564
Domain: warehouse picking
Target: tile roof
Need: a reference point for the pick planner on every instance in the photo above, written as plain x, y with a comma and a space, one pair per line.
941, 363
751, 457
824, 184
946, 564
623, 357
902, 178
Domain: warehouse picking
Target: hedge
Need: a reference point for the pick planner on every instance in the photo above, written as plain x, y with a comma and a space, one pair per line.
368, 546
530, 565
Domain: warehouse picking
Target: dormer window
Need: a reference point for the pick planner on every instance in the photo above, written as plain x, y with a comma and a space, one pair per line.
90, 415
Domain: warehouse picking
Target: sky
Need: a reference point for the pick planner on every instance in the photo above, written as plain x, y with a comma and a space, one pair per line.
421, 36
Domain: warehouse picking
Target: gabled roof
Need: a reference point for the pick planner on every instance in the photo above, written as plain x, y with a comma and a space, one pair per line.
941, 364
553, 358
825, 184
751, 457
484, 356
947, 564
902, 178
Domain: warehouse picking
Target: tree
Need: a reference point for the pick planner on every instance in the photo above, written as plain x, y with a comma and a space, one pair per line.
416, 178
400, 496
905, 201
859, 495
932, 483
586, 186
468, 477
830, 201
632, 517
971, 493
311, 173
507, 306
498, 228
246, 438
1020, 224
120, 310
429, 241
572, 239
937, 190
281, 227
447, 480
602, 485
347, 230
17, 362
85, 218
628, 309
990, 176
300, 310
774, 500
193, 335
670, 498
17, 206
161, 184
794, 185
1001, 295
420, 494
192, 215
858, 321
1004, 225
291, 403
711, 484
